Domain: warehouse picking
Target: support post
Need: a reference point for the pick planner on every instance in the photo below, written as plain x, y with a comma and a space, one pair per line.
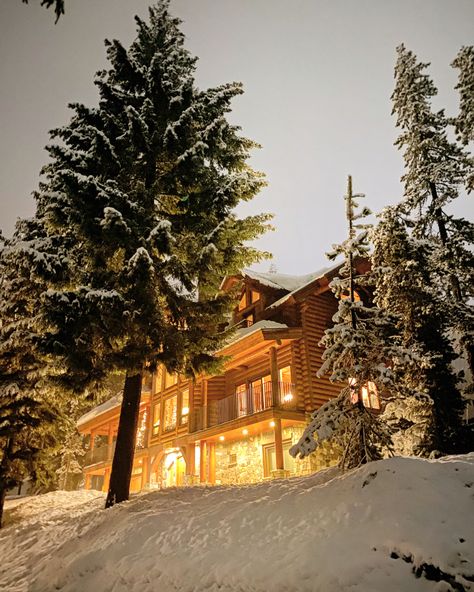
144, 472
204, 403
278, 445
274, 377
87, 484
190, 457
202, 462
212, 463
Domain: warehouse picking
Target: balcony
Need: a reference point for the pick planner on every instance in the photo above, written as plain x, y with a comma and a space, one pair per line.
99, 454
104, 453
241, 404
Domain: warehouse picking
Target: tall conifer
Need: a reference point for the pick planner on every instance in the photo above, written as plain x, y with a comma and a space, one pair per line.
143, 190
360, 349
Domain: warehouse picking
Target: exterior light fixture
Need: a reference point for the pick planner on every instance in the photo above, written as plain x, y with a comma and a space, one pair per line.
272, 424
287, 398
221, 438
245, 431
184, 410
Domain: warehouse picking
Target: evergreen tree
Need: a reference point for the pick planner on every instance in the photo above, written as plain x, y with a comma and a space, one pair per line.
141, 191
437, 169
405, 288
464, 122
361, 350
28, 398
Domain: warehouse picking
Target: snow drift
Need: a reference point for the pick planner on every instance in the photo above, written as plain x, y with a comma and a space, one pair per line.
402, 524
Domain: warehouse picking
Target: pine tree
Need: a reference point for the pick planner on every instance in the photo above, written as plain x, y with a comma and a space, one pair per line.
361, 350
437, 169
406, 289
464, 122
142, 190
29, 400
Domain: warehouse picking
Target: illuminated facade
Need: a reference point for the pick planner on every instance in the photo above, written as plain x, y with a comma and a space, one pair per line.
236, 427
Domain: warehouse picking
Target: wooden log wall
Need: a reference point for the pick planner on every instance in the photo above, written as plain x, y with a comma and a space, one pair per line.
316, 316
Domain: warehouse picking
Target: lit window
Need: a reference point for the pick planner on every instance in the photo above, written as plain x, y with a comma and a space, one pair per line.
243, 301
156, 418
184, 406
241, 395
269, 458
169, 414
262, 393
159, 379
285, 374
170, 380
255, 296
369, 393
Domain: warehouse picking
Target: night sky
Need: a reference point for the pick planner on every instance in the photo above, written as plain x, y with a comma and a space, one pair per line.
317, 74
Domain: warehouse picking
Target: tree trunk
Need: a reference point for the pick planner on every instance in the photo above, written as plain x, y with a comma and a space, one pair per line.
3, 495
122, 464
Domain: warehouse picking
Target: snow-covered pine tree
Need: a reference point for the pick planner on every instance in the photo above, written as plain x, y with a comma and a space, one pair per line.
427, 409
437, 169
464, 122
361, 350
143, 188
29, 400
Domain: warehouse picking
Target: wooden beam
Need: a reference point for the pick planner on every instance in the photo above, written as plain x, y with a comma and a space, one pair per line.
202, 462
204, 402
275, 377
190, 458
212, 463
278, 445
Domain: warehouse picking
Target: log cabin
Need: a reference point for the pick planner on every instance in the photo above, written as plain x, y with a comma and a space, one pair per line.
236, 427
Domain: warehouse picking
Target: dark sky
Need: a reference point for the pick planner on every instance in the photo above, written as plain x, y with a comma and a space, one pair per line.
318, 77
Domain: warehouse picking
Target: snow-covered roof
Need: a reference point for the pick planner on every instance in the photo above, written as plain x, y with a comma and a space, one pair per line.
246, 331
282, 281
112, 403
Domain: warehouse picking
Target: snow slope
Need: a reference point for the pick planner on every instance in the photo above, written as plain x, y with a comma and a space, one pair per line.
369, 530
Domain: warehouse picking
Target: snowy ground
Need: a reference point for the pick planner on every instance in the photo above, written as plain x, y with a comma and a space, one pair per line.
396, 525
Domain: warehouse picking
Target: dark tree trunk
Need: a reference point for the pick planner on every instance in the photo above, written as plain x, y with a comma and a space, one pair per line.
7, 453
122, 464
3, 495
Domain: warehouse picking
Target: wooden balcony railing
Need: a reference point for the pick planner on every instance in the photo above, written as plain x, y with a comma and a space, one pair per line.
103, 453
241, 404
99, 454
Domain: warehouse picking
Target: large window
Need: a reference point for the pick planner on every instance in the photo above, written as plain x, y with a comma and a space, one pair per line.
170, 379
156, 419
184, 406
169, 413
241, 396
269, 458
369, 393
262, 393
159, 379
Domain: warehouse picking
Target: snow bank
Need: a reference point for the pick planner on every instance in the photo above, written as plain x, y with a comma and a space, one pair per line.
395, 525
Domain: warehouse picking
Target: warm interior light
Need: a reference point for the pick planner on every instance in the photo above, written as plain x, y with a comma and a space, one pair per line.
221, 438
272, 424
287, 398
245, 431
184, 410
